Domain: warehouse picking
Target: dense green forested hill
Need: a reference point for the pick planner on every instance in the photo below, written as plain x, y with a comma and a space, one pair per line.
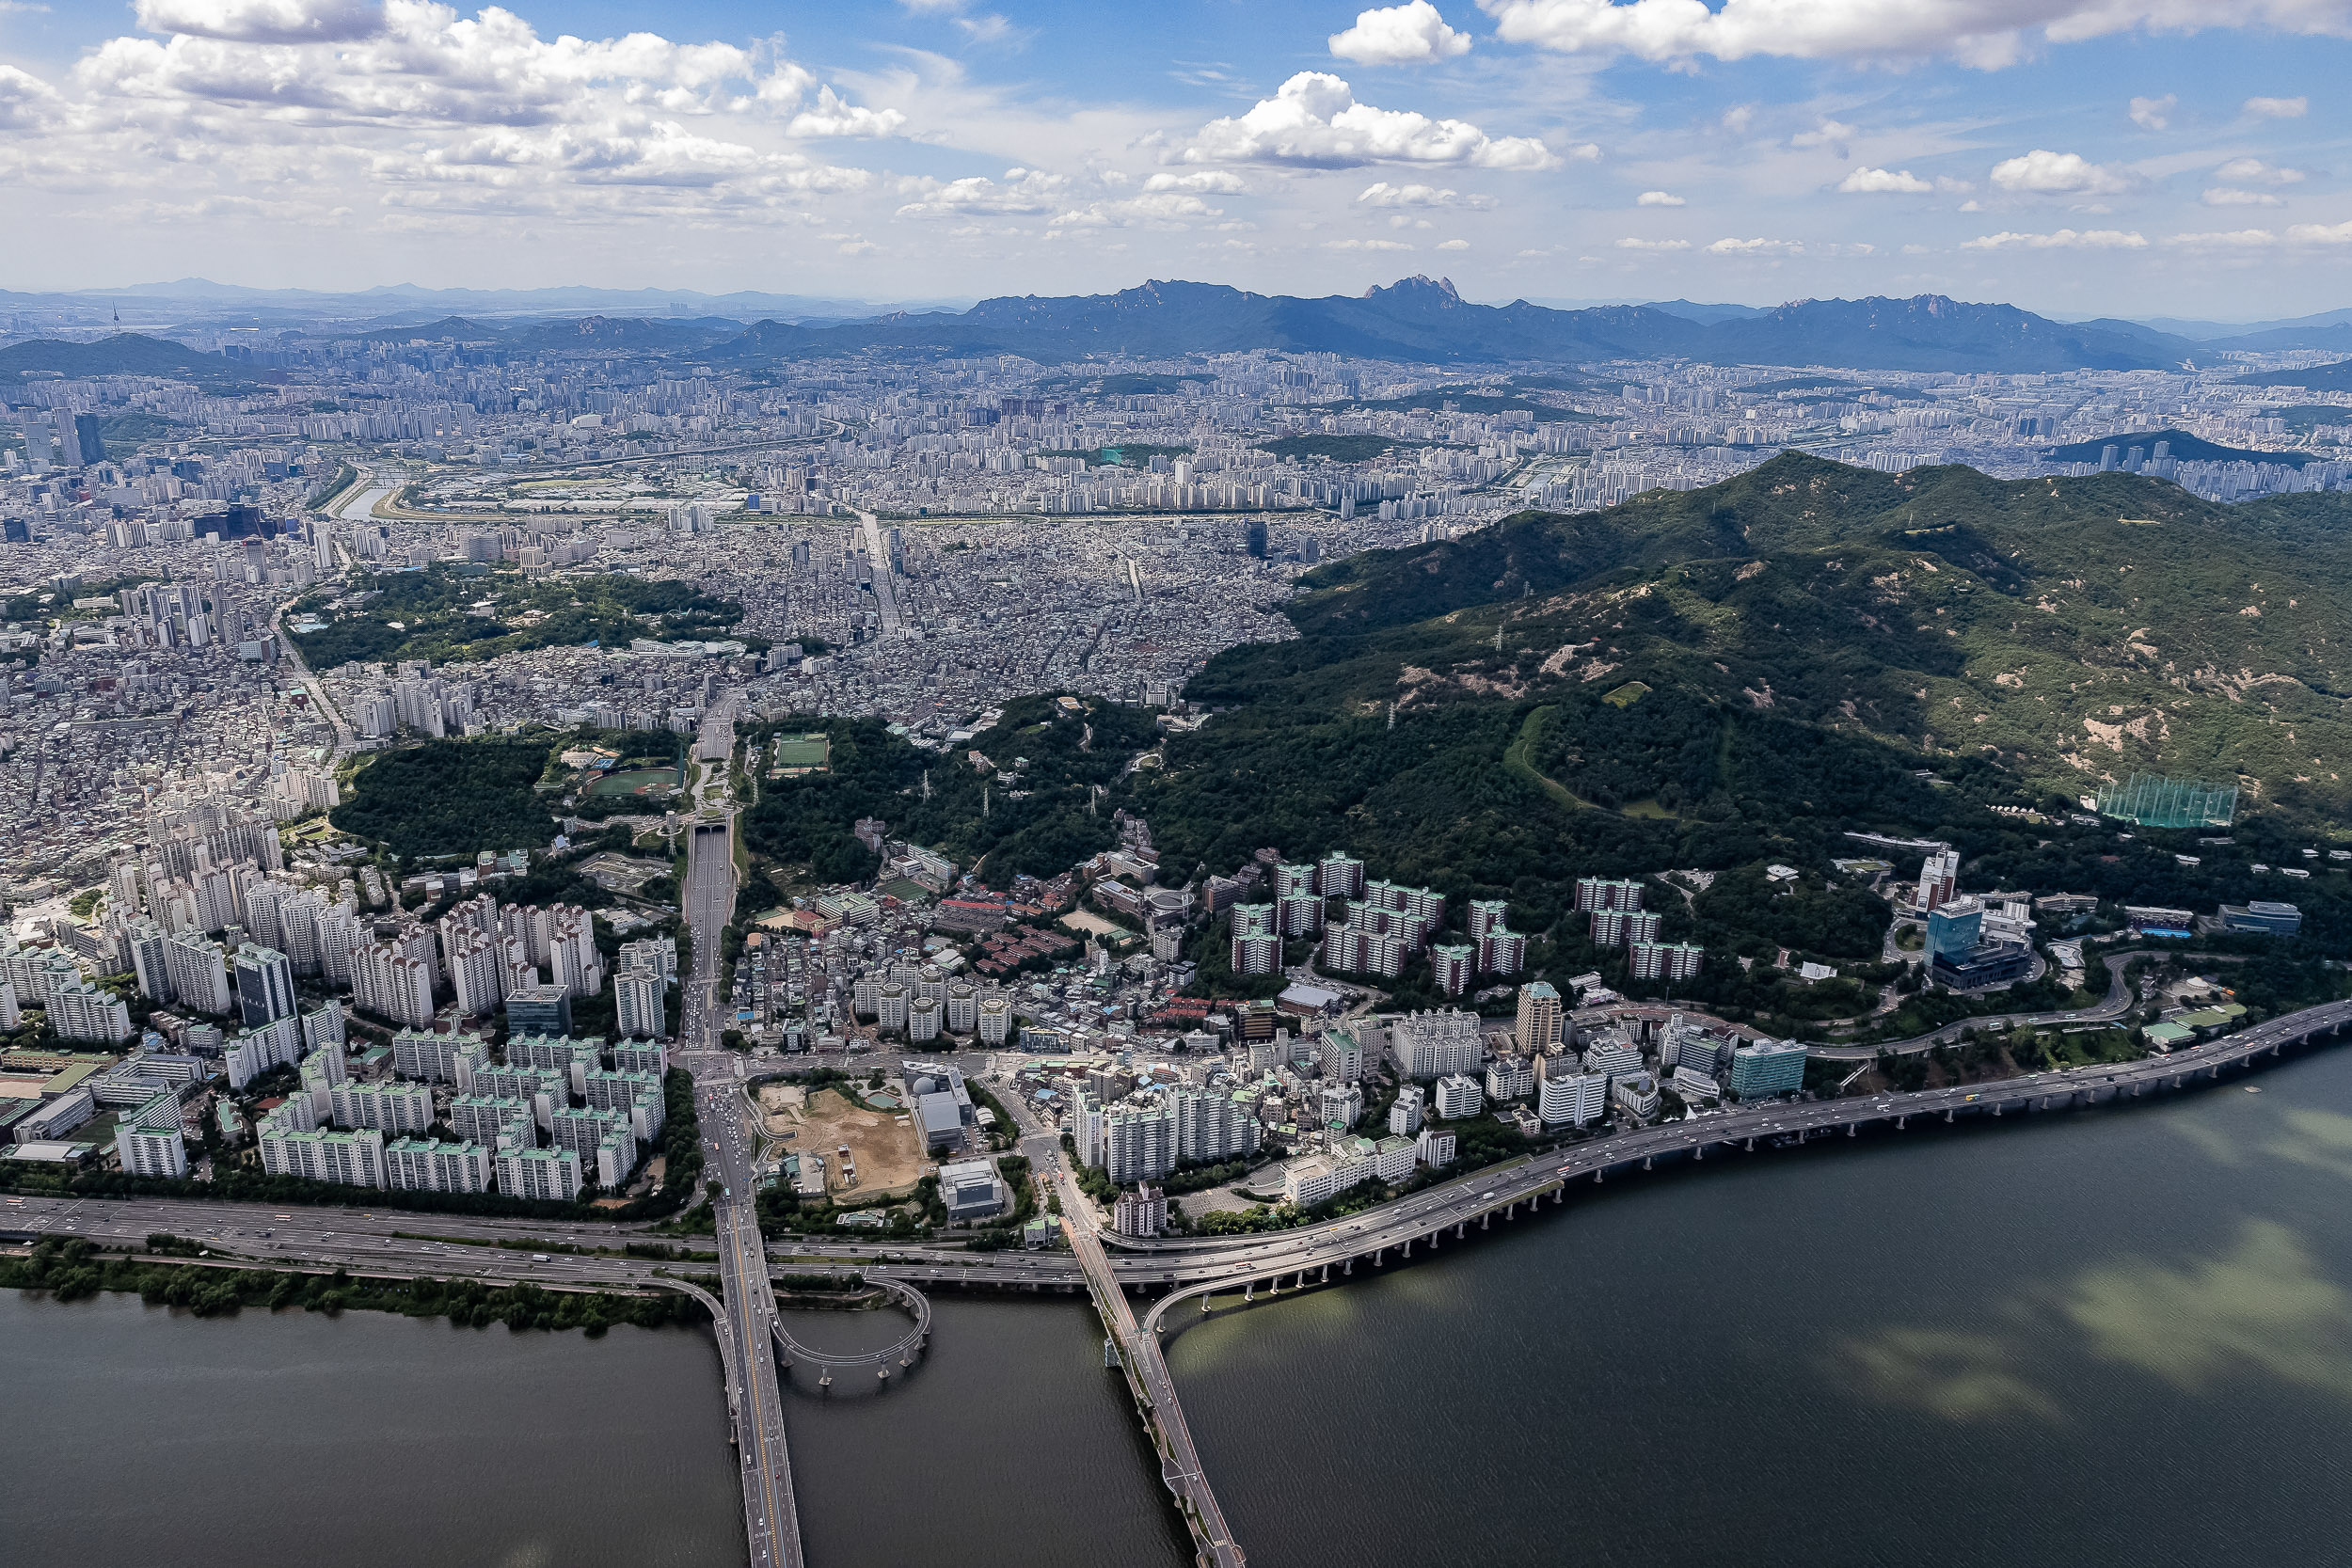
2071, 630
1041, 813
451, 797
446, 614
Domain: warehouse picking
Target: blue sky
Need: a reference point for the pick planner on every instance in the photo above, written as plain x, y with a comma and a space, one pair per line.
2127, 156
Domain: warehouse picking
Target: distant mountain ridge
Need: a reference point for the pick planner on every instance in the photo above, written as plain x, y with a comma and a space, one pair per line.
1416, 320
1427, 320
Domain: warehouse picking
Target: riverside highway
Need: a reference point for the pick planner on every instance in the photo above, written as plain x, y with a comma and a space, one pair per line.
465, 1245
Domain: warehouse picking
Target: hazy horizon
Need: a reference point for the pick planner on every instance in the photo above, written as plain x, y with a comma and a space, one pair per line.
2106, 159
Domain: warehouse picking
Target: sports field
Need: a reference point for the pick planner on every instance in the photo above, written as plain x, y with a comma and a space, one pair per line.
808, 753
638, 781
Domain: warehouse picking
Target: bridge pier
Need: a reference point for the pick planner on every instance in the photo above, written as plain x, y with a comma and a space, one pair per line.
1379, 1261
1349, 1267
1458, 1228
1947, 1115
1852, 1128
1645, 1161
1595, 1178
1326, 1273
1751, 1146
1899, 1122
1559, 1195
1486, 1220
1407, 1251
1698, 1151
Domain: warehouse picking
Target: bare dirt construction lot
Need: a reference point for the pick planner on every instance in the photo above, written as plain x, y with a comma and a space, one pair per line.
780, 1107
884, 1147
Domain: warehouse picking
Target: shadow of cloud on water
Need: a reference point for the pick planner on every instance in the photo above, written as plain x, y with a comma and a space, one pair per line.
2261, 1309
1960, 1375
2318, 1140
2262, 1306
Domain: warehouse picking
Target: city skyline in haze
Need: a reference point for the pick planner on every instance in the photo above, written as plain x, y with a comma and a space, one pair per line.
2105, 159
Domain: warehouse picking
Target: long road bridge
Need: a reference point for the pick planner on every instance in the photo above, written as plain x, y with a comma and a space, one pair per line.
1148, 1382
771, 1520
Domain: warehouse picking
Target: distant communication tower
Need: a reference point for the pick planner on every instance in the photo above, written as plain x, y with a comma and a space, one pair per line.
2151, 801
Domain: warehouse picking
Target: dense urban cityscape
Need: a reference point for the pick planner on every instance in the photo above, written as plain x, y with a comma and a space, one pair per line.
1007, 804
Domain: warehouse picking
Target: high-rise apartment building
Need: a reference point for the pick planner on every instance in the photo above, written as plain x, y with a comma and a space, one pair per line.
1542, 1020
266, 990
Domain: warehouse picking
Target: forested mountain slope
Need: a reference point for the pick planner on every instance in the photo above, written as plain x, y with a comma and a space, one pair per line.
2070, 630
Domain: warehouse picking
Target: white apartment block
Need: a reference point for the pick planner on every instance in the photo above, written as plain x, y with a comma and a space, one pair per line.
1436, 1044
640, 1004
1573, 1099
346, 1159
391, 1106
1458, 1097
150, 1143
249, 1056
1510, 1078
427, 1056
539, 1173
423, 1165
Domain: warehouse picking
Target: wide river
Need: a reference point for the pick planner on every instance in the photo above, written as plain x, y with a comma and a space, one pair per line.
2113, 1337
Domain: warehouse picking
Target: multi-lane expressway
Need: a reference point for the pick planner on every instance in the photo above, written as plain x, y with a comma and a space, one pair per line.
459, 1244
414, 1241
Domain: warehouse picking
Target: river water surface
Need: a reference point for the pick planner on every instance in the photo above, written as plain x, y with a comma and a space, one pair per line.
2111, 1338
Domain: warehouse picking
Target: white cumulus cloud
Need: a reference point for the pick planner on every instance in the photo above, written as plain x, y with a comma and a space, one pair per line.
1381, 192
2253, 171
26, 102
1199, 181
2041, 173
2063, 239
1412, 33
1755, 247
266, 21
1659, 199
828, 116
1631, 244
1314, 122
1983, 33
2155, 114
1020, 191
2235, 239
2230, 195
1873, 182
2276, 108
